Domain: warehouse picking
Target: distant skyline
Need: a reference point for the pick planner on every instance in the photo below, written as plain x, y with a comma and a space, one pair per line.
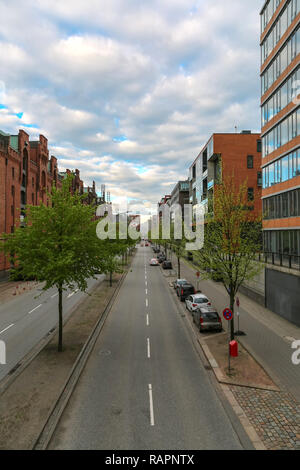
129, 91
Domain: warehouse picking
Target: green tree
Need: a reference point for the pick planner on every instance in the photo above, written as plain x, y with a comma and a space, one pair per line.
232, 240
58, 244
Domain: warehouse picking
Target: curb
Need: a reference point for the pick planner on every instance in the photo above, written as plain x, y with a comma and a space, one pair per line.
14, 373
61, 402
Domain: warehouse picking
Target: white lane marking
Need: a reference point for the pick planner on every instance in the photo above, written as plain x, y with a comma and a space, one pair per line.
146, 290
7, 328
151, 405
76, 291
147, 303
146, 283
70, 295
147, 319
52, 296
148, 348
34, 309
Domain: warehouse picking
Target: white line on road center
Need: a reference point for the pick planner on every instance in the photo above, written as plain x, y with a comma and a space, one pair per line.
52, 296
146, 302
7, 328
148, 348
34, 309
147, 319
151, 406
70, 295
146, 291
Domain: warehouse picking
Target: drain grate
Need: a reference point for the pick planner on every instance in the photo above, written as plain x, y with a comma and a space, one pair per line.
208, 367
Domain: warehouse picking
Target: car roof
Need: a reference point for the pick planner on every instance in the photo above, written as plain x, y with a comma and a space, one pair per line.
180, 280
208, 310
200, 296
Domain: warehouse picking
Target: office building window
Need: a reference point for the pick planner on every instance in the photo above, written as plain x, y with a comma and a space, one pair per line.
250, 194
250, 162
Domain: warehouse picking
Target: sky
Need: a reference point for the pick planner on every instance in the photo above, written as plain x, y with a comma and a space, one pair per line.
129, 91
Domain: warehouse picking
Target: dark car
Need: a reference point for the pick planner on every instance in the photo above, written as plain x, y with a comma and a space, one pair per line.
167, 265
207, 318
161, 257
185, 290
178, 283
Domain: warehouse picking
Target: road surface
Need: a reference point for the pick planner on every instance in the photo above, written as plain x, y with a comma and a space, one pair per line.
26, 319
145, 386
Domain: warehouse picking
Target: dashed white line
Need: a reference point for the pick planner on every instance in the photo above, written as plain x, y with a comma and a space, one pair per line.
146, 290
70, 295
52, 296
148, 348
147, 303
151, 405
7, 328
147, 319
34, 309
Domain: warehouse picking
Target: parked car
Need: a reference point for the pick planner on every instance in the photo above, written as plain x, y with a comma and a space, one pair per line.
185, 290
154, 262
207, 318
178, 282
161, 258
195, 301
167, 264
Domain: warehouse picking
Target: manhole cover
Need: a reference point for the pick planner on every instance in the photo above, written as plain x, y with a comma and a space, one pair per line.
105, 352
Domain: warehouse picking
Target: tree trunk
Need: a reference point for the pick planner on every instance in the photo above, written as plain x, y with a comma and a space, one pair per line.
60, 319
178, 261
110, 278
232, 309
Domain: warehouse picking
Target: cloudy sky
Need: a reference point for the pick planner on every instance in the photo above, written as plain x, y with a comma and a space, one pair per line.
128, 91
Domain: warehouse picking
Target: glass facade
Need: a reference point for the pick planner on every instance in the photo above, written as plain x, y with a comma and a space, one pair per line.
281, 98
284, 132
282, 205
280, 62
282, 241
284, 20
283, 169
268, 12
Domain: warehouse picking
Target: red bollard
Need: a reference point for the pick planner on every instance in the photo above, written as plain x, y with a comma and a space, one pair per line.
233, 345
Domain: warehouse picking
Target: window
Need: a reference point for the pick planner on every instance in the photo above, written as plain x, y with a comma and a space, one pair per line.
13, 173
250, 194
259, 146
250, 162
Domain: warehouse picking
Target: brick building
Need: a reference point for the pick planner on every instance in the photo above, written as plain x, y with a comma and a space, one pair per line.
26, 174
280, 75
227, 154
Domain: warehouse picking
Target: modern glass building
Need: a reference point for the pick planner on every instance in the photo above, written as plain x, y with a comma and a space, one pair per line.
280, 112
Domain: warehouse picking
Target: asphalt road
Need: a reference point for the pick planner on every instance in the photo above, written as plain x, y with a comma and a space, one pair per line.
26, 319
144, 386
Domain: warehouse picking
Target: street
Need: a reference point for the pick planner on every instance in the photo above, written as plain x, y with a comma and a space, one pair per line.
145, 386
26, 319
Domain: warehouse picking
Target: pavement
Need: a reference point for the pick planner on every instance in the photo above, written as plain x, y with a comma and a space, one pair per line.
145, 385
27, 318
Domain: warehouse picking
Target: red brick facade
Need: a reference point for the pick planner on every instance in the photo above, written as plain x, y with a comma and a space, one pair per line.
26, 174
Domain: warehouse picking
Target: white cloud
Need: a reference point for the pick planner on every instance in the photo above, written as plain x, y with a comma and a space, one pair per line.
128, 92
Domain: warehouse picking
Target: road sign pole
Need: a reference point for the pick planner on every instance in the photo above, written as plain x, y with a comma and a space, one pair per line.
229, 347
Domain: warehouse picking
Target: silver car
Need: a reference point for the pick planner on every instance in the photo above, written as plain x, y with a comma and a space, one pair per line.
207, 318
192, 302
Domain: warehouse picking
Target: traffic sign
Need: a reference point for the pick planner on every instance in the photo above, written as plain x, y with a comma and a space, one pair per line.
227, 314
